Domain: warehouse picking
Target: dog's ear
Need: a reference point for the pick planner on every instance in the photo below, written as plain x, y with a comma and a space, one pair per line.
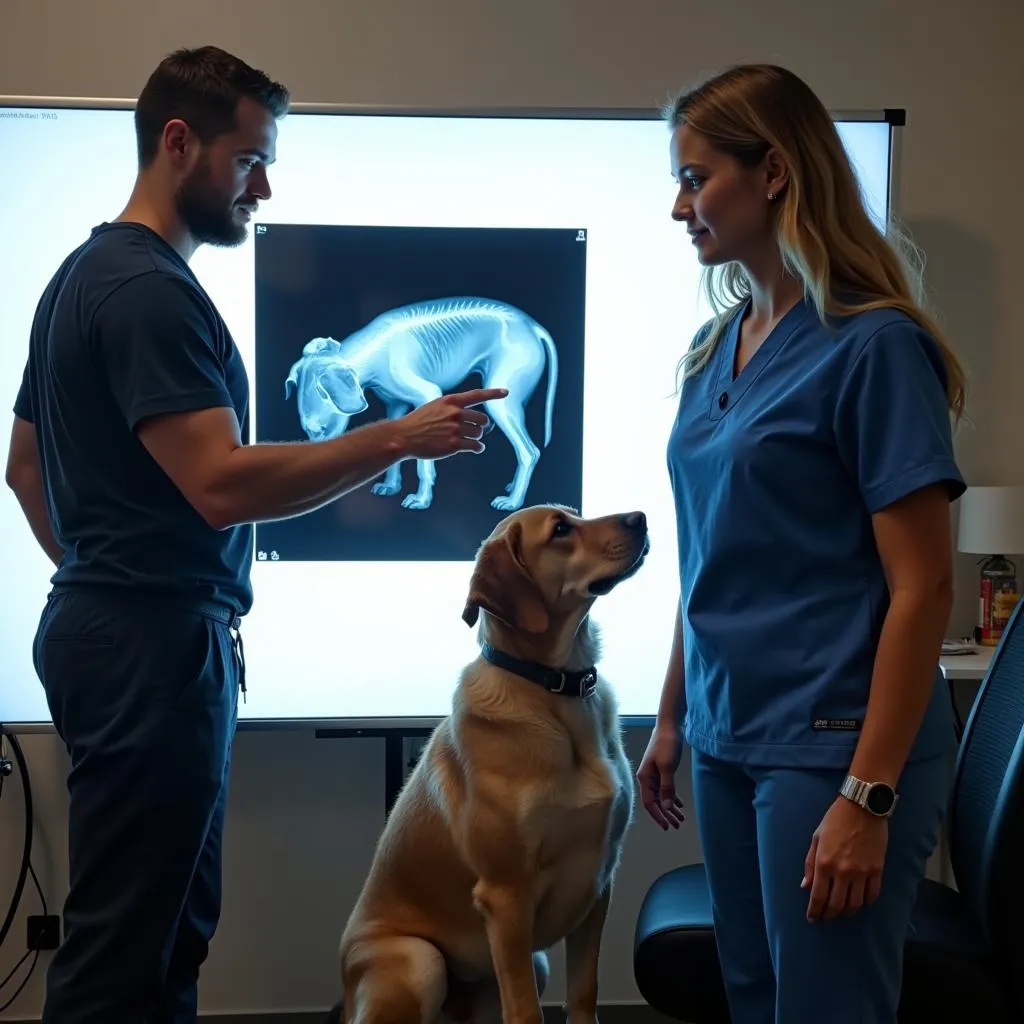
502, 586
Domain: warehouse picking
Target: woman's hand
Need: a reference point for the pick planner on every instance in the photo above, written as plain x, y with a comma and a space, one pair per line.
656, 776
844, 865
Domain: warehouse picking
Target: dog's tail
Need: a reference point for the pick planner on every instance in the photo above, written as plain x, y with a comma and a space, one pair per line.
549, 407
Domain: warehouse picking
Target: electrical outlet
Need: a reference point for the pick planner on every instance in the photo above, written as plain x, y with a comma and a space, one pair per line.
43, 931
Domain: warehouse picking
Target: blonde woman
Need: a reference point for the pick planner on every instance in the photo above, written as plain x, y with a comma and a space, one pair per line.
812, 467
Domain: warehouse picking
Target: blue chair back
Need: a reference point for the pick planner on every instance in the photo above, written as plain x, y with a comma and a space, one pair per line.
986, 816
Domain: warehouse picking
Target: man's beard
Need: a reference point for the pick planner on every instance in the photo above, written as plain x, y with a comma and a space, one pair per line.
204, 213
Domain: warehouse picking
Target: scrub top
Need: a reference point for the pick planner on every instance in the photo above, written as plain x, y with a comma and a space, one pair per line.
776, 473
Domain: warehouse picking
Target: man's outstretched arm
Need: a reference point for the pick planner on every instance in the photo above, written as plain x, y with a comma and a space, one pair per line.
228, 482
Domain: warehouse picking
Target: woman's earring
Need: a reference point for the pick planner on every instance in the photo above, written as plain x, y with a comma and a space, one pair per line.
771, 197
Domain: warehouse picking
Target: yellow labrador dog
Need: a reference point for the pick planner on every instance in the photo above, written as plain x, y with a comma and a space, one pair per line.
507, 835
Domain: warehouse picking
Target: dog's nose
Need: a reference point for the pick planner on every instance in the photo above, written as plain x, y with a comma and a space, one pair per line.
635, 521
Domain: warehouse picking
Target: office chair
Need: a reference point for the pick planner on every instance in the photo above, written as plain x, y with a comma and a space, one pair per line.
964, 956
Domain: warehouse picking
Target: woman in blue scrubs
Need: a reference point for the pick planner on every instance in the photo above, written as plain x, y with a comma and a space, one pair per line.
812, 467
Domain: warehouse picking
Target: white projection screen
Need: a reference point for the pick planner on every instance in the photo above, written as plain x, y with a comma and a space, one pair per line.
564, 215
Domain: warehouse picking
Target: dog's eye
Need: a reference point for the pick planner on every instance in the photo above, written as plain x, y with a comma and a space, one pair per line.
561, 529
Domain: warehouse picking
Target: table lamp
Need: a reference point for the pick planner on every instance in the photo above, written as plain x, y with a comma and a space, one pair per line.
992, 524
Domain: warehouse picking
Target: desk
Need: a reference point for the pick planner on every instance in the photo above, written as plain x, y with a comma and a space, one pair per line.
964, 668
967, 666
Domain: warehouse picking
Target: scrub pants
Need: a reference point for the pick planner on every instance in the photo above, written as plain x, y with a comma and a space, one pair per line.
144, 695
756, 826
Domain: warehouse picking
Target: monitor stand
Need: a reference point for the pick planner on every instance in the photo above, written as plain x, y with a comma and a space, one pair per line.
397, 762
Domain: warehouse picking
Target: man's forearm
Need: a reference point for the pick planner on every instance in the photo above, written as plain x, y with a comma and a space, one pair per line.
264, 482
28, 489
902, 685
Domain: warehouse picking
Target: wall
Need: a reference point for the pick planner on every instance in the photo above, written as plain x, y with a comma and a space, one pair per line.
305, 813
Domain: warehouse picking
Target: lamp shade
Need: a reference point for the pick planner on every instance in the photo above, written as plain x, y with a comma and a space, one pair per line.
992, 521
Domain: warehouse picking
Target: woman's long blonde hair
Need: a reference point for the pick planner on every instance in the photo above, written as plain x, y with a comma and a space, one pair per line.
826, 236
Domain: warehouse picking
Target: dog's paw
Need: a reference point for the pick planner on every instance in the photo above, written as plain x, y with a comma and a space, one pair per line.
505, 504
415, 501
385, 490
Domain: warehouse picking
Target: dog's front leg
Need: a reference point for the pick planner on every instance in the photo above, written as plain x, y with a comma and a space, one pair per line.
508, 916
582, 951
426, 475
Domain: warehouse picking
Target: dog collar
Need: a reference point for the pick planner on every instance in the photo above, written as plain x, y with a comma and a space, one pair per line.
554, 680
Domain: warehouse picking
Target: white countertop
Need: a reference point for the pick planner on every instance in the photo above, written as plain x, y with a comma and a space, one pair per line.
967, 666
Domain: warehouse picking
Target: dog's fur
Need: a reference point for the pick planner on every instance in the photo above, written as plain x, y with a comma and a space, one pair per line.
506, 838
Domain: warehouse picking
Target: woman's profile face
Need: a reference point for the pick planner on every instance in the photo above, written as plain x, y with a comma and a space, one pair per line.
724, 206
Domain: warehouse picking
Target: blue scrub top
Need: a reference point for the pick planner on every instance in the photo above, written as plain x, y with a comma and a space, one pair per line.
776, 475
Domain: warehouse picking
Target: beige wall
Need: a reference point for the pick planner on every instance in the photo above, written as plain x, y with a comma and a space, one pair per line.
305, 814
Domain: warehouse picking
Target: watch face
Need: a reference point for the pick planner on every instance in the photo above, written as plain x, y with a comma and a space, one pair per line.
880, 798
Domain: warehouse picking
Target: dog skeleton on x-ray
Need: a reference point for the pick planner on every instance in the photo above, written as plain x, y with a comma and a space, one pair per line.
415, 353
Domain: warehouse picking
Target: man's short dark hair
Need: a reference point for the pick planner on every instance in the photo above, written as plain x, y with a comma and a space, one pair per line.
201, 87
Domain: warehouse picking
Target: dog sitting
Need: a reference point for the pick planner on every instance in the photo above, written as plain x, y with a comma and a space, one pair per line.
506, 837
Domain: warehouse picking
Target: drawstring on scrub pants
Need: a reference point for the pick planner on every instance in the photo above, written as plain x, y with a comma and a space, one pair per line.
239, 650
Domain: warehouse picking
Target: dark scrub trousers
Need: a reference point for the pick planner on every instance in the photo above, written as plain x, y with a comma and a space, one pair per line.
777, 472
144, 694
138, 646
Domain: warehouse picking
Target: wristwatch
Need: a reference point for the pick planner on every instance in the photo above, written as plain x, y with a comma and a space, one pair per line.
878, 798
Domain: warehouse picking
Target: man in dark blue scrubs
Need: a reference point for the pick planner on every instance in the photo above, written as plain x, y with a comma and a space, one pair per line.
131, 459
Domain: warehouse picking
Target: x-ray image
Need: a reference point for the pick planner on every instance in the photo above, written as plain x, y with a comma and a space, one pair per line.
356, 324
412, 355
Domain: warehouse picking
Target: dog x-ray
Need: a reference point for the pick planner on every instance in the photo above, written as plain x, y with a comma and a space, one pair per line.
358, 324
412, 355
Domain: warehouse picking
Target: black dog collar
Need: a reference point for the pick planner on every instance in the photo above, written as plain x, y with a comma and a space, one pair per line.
554, 680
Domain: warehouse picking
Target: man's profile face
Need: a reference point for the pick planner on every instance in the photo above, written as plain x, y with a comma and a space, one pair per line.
220, 194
